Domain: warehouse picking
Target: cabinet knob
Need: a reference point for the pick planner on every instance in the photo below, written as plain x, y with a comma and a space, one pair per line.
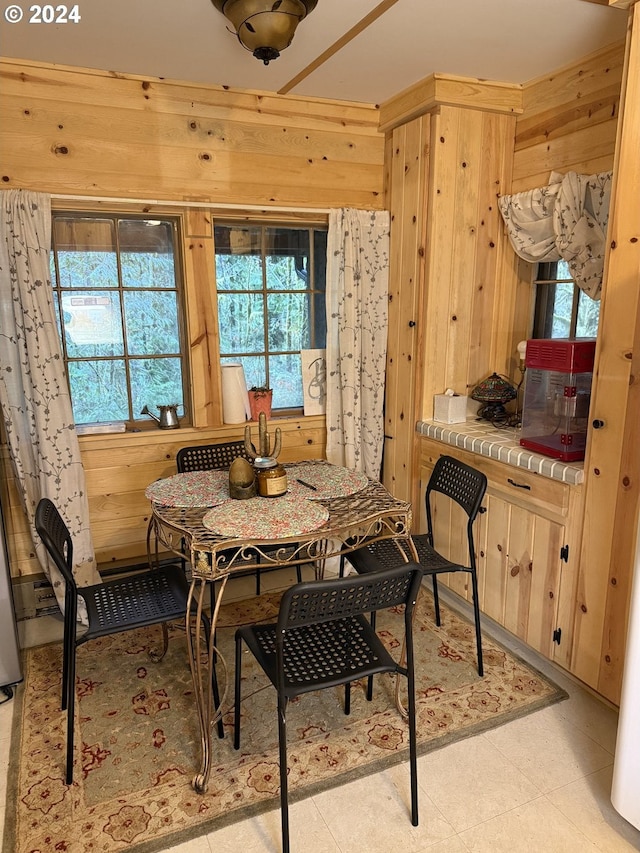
597, 424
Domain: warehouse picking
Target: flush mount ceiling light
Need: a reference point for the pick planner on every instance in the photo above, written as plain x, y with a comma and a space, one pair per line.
265, 27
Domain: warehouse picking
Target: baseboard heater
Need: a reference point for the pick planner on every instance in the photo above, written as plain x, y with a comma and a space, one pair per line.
34, 597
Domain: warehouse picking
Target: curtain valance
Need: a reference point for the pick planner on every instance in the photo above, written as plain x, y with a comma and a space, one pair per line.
565, 220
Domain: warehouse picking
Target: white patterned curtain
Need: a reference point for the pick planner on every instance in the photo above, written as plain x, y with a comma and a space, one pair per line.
34, 395
565, 220
357, 300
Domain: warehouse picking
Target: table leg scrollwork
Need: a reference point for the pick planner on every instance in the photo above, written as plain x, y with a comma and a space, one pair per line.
202, 662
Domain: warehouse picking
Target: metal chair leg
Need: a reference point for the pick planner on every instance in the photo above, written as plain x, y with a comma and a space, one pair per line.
236, 708
284, 791
71, 697
413, 749
436, 599
372, 620
67, 652
216, 700
476, 613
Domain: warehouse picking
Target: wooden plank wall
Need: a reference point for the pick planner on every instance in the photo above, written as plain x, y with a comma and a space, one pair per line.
94, 134
409, 154
471, 166
446, 169
569, 120
613, 457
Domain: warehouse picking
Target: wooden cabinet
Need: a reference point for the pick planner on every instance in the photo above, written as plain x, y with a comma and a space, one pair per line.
520, 571
527, 549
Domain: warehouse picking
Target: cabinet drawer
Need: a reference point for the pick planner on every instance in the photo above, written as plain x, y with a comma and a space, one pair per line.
517, 485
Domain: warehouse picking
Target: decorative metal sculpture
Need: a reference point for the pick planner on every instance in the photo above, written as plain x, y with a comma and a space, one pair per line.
263, 440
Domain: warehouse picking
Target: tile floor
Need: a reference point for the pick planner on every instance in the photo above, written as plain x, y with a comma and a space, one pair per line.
537, 785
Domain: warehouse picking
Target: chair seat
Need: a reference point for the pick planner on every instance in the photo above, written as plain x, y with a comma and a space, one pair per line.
431, 561
377, 556
135, 601
320, 655
384, 554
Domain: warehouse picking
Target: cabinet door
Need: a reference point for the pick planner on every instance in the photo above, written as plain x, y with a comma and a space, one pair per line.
548, 539
520, 573
493, 555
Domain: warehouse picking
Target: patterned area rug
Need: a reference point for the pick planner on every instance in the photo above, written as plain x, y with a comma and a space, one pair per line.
137, 739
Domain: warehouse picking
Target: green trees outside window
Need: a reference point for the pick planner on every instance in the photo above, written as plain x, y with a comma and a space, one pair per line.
116, 294
562, 309
271, 302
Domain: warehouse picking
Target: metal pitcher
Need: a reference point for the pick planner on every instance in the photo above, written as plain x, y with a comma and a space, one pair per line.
168, 416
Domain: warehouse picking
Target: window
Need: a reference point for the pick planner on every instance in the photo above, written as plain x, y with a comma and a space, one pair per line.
116, 295
562, 309
271, 303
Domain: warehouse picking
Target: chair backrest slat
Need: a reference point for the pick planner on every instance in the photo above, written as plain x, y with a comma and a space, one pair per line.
209, 457
56, 538
322, 601
462, 483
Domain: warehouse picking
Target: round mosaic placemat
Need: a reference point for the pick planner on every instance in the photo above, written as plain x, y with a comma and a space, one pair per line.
328, 481
265, 518
193, 488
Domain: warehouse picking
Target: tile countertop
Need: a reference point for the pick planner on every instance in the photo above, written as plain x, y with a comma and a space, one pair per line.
503, 444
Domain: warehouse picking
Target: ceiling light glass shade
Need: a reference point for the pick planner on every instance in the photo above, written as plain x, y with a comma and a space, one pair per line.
265, 27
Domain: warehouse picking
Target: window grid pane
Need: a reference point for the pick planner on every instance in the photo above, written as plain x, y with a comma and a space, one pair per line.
562, 309
265, 331
116, 292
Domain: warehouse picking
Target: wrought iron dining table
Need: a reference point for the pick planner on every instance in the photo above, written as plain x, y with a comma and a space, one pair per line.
327, 511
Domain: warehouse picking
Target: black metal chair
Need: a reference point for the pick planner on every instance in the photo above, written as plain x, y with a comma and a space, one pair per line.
464, 485
210, 457
151, 597
322, 639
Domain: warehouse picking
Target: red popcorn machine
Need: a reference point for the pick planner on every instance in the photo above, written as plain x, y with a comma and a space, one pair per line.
557, 394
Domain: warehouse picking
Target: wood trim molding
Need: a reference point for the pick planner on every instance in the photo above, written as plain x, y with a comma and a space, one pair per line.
445, 89
369, 19
616, 4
